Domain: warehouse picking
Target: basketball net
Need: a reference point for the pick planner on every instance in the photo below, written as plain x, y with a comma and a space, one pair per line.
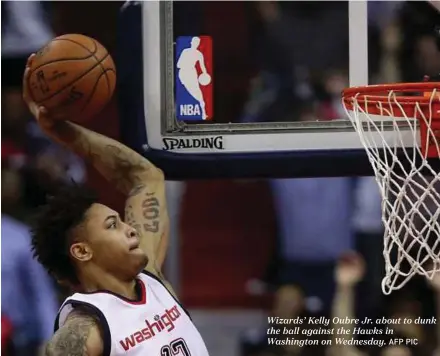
409, 186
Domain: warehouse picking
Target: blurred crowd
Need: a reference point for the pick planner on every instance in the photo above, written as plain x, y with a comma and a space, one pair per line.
328, 260
290, 83
31, 167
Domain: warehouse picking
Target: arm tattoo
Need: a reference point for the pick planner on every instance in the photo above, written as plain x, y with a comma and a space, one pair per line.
145, 210
151, 213
71, 339
130, 219
115, 161
129, 215
119, 165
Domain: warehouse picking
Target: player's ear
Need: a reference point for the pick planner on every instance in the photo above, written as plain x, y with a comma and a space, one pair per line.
81, 251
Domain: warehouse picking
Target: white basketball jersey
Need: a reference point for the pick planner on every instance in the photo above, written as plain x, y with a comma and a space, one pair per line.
155, 325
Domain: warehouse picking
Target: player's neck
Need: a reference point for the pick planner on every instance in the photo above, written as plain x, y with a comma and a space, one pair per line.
112, 284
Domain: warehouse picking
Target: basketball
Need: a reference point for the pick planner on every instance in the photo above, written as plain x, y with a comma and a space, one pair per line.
73, 76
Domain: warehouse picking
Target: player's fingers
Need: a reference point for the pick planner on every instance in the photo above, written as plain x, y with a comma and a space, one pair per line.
26, 74
42, 114
30, 60
43, 110
44, 117
25, 84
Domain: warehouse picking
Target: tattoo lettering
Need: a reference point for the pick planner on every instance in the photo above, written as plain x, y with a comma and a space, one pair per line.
151, 213
71, 339
130, 219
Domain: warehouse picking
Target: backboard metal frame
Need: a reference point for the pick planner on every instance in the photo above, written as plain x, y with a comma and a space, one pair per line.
146, 81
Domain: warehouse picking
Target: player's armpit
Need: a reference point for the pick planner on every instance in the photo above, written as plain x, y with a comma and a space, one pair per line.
146, 211
79, 336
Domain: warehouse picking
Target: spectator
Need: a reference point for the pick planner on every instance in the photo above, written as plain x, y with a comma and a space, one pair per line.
24, 30
290, 76
349, 272
28, 296
40, 163
288, 303
435, 285
7, 331
314, 216
418, 54
367, 222
48, 166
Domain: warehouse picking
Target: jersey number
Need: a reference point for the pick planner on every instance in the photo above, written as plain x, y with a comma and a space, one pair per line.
176, 347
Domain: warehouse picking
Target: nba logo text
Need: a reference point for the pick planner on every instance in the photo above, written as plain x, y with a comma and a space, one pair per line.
194, 81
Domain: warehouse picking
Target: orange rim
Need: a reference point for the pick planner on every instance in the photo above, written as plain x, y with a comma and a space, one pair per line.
374, 99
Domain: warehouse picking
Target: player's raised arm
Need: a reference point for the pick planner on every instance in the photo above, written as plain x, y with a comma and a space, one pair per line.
132, 174
79, 336
116, 162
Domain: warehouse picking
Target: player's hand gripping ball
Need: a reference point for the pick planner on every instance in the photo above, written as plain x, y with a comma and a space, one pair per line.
73, 77
204, 79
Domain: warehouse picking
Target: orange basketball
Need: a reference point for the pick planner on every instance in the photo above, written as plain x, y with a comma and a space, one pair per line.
73, 76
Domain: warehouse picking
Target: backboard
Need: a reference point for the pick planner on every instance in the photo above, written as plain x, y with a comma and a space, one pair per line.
184, 105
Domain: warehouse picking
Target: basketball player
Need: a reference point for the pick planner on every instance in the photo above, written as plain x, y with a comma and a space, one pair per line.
123, 305
188, 72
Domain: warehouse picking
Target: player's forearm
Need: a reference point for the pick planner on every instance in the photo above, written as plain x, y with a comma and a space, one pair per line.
115, 161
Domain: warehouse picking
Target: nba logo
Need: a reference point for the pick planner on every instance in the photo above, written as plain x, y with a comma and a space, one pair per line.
194, 78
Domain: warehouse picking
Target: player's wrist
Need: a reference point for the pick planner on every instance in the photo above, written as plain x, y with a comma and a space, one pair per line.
60, 131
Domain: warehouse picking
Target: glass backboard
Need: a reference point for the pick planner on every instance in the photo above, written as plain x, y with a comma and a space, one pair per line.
258, 83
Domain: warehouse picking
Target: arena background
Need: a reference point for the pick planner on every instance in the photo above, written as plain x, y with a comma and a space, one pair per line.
226, 261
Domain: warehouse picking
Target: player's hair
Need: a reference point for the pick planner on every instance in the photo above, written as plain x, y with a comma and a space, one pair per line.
53, 226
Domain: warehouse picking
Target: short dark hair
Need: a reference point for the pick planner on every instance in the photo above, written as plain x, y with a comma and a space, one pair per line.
53, 225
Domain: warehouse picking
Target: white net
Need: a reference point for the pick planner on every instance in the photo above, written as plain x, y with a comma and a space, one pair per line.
409, 185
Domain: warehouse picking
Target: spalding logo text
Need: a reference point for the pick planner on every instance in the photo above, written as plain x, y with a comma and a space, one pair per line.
215, 142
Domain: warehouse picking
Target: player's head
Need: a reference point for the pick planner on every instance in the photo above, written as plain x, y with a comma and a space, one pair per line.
195, 42
74, 237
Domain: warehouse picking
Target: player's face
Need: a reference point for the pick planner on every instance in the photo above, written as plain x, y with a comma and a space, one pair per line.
114, 244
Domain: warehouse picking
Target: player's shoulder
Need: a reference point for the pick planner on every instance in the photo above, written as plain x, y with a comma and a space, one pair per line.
80, 334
